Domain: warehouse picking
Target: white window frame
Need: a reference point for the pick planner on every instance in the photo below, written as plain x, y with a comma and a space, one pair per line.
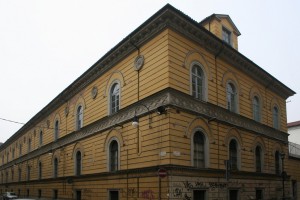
76, 164
41, 138
232, 97
110, 108
203, 95
56, 129
256, 108
79, 117
228, 34
55, 167
206, 147
261, 158
238, 149
275, 117
109, 156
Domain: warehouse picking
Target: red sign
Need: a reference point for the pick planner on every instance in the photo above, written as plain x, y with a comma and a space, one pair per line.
162, 173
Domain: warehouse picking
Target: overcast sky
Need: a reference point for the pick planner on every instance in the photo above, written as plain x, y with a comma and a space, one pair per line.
45, 45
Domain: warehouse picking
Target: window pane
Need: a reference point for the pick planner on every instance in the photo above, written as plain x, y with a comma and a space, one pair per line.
41, 138
277, 163
233, 154
259, 194
56, 130
231, 98
233, 194
256, 109
114, 98
258, 159
79, 117
275, 118
199, 150
113, 156
199, 195
113, 195
197, 82
226, 36
55, 174
78, 163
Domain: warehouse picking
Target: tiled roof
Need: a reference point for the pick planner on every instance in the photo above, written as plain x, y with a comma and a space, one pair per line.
292, 124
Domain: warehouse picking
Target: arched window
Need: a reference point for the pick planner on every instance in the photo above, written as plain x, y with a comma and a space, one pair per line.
233, 154
55, 168
12, 175
41, 138
78, 163
40, 170
258, 159
275, 117
198, 88
231, 97
28, 173
19, 174
277, 163
20, 150
256, 109
199, 149
115, 98
79, 117
7, 176
56, 130
29, 144
113, 156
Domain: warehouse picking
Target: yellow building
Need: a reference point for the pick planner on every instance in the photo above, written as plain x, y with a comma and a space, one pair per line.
162, 115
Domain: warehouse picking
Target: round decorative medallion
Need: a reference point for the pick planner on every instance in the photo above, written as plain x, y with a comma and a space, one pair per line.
138, 62
94, 92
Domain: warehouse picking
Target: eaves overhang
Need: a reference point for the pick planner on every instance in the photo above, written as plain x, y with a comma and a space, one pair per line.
167, 17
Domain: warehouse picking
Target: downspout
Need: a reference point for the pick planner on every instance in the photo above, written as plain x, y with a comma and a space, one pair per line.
217, 90
138, 129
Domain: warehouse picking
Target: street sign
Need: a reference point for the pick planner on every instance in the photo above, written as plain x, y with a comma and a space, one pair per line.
162, 173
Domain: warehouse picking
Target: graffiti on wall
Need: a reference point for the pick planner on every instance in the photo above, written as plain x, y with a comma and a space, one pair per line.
183, 190
131, 192
148, 195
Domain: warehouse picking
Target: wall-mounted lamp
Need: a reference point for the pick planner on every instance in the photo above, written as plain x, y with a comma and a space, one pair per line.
135, 120
161, 110
50, 153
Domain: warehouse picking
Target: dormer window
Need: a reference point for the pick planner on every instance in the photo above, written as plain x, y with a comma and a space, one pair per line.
226, 35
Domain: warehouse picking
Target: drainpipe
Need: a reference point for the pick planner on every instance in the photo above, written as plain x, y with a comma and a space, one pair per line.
217, 89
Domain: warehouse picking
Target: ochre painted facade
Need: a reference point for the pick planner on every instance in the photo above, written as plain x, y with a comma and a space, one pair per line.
83, 163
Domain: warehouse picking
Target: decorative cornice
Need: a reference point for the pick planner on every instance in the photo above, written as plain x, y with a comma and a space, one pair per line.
211, 111
168, 97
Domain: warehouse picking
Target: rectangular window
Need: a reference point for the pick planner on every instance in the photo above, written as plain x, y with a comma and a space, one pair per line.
233, 194
20, 175
55, 194
199, 195
29, 145
39, 193
259, 194
113, 195
294, 189
27, 195
226, 35
20, 150
78, 194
